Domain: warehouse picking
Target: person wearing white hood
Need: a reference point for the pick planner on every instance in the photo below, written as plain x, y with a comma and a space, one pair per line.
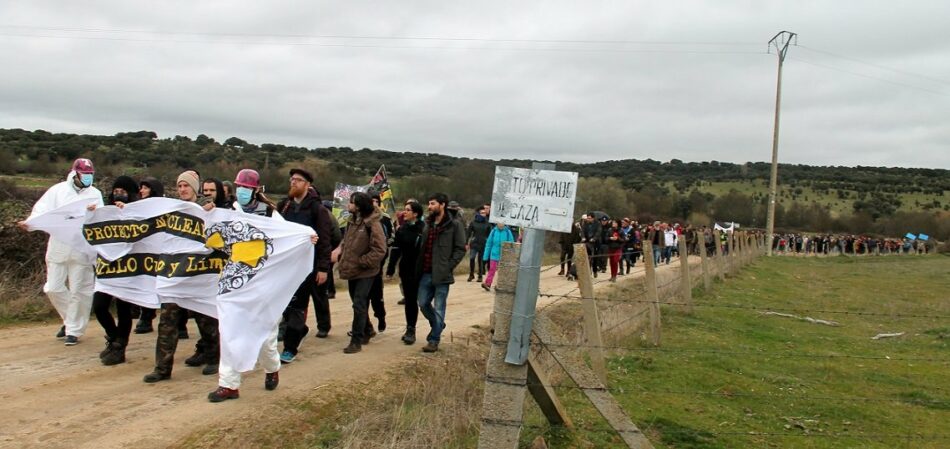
64, 265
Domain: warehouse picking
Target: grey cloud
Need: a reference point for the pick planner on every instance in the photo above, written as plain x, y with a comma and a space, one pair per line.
568, 101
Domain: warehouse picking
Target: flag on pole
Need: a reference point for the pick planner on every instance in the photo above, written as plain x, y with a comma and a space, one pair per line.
380, 183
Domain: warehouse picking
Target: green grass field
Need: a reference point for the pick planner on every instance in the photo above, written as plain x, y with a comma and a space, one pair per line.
769, 381
909, 201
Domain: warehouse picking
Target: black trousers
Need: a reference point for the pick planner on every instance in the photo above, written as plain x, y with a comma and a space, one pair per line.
295, 316
359, 295
410, 291
567, 256
123, 310
476, 260
376, 296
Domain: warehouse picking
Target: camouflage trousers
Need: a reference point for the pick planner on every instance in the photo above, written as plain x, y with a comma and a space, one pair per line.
167, 341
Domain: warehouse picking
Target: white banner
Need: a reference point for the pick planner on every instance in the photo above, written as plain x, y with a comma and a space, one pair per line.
241, 268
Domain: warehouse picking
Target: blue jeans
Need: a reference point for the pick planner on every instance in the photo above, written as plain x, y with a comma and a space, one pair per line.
657, 252
435, 313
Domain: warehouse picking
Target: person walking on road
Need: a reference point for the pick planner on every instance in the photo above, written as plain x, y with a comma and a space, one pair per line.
498, 236
359, 257
64, 265
409, 243
443, 248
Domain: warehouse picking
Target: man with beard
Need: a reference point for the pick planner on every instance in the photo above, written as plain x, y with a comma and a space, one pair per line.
443, 247
64, 265
303, 206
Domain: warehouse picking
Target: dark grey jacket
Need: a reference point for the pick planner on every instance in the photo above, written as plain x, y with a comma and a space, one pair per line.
448, 250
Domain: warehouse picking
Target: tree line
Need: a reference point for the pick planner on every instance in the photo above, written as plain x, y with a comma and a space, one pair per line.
646, 189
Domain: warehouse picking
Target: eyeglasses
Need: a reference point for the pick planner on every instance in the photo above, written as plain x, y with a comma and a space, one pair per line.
296, 179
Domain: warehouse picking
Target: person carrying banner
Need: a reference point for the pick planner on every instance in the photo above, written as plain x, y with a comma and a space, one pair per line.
124, 190
359, 257
207, 350
65, 265
303, 206
409, 242
229, 379
148, 188
443, 247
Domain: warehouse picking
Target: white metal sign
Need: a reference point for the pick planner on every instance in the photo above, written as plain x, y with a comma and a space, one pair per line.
535, 199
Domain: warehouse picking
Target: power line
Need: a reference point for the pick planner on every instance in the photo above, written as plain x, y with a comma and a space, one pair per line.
401, 47
911, 86
872, 64
370, 37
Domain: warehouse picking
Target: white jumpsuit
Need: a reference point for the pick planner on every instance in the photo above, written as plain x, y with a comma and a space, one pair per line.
70, 275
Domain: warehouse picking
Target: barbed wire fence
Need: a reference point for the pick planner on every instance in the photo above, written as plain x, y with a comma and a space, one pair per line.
633, 305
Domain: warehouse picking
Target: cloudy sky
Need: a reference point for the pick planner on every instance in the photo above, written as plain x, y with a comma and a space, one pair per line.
867, 84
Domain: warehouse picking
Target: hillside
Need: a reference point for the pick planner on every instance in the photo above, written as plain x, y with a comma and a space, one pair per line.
816, 198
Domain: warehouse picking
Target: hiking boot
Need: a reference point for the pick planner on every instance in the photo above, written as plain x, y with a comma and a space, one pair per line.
156, 376
287, 357
561, 273
430, 347
479, 280
323, 334
196, 359
271, 380
61, 333
410, 336
116, 354
107, 349
71, 340
401, 301
382, 324
144, 327
353, 348
471, 277
182, 334
209, 369
223, 394
486, 287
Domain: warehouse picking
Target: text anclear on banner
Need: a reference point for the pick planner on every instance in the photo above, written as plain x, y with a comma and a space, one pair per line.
534, 199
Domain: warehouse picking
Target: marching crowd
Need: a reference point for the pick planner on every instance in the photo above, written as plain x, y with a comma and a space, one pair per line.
828, 244
425, 244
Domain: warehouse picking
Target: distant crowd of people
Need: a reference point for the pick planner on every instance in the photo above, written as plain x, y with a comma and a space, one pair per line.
831, 244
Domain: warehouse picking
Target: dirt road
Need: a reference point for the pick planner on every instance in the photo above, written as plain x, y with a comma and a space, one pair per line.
53, 396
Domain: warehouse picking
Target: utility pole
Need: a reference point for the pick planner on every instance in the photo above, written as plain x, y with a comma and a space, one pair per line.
780, 41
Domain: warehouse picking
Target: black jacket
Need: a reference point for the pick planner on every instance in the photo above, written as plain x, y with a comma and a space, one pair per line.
478, 231
406, 248
310, 212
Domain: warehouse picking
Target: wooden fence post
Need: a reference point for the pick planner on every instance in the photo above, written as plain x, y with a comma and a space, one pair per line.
505, 384
731, 241
707, 277
685, 282
720, 271
652, 295
585, 281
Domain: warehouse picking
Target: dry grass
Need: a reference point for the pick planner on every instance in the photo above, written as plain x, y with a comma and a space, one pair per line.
22, 298
429, 401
